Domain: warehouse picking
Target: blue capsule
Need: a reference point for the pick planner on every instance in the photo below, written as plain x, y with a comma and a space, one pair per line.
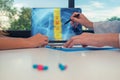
35, 66
45, 68
62, 67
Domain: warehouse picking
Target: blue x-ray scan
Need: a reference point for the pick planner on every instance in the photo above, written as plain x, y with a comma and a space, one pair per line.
43, 22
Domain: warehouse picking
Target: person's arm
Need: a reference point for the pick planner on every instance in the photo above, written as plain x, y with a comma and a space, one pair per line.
98, 40
107, 27
110, 39
99, 27
81, 20
119, 40
15, 43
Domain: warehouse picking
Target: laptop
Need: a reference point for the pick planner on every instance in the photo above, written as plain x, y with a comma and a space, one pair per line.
51, 23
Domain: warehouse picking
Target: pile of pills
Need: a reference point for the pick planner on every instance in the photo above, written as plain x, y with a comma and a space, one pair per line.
40, 67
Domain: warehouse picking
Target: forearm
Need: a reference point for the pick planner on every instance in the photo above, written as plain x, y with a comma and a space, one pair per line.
119, 40
89, 25
14, 43
107, 27
110, 39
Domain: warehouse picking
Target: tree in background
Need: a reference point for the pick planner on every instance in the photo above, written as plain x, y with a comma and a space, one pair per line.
18, 20
6, 11
6, 5
24, 21
113, 18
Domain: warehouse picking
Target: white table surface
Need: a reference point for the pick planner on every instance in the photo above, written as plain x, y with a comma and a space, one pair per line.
82, 65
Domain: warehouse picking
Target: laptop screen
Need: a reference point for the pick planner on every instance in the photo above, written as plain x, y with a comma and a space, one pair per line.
50, 22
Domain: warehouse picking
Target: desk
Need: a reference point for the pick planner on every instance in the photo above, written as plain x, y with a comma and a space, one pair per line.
82, 65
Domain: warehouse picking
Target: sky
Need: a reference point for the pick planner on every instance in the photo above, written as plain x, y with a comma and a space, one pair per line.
41, 3
94, 10
99, 10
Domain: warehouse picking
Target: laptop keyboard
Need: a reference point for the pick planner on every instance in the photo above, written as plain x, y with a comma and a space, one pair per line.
60, 45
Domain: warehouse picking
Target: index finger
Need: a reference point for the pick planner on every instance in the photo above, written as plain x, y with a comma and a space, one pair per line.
75, 13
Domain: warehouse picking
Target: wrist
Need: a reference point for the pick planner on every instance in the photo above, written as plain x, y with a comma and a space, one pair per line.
30, 43
110, 40
119, 40
90, 24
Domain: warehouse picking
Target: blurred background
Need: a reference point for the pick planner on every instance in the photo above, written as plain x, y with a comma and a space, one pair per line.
15, 15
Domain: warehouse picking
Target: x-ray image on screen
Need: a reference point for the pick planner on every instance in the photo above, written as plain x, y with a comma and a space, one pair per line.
50, 22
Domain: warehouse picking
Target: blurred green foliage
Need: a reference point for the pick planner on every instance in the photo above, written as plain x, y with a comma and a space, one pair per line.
24, 16
113, 18
24, 21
